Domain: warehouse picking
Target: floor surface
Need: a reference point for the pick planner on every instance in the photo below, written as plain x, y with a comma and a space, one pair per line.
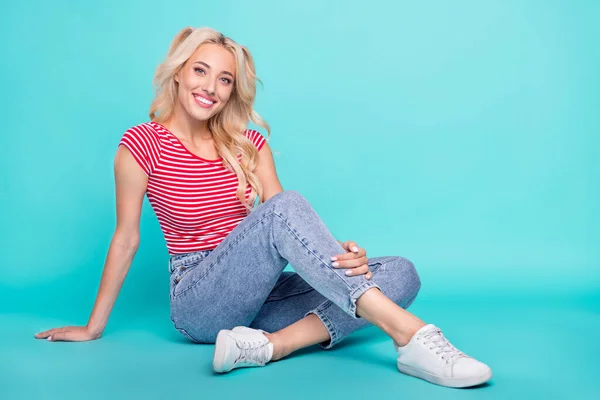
544, 348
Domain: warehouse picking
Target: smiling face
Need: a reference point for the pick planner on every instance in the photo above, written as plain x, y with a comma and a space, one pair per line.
206, 81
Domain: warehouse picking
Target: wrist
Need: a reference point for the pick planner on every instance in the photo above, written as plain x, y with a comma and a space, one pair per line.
95, 331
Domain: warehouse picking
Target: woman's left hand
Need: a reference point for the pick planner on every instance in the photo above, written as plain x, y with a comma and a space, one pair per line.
355, 260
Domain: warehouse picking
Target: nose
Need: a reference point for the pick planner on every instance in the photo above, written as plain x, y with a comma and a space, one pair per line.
209, 87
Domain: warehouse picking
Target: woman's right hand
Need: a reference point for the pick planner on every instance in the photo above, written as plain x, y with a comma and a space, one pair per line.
131, 184
69, 334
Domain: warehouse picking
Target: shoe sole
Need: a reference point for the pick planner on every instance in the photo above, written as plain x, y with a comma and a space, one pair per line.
220, 352
448, 382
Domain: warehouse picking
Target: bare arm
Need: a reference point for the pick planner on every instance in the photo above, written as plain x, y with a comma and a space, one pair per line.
265, 170
130, 183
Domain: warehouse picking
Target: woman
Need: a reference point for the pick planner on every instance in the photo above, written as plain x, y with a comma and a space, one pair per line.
202, 171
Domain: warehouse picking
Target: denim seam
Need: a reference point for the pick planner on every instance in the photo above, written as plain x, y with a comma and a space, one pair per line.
309, 250
323, 307
286, 279
185, 333
333, 336
356, 293
320, 311
237, 239
181, 264
289, 295
182, 259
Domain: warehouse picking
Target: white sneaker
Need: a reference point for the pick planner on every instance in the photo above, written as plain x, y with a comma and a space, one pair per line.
430, 356
241, 347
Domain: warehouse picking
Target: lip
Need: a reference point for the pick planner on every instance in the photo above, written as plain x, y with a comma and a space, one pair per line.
204, 97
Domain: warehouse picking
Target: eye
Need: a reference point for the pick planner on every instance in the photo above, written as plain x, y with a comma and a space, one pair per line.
199, 70
226, 80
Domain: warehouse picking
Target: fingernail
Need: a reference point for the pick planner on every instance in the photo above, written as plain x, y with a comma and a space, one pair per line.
355, 249
336, 264
348, 272
49, 337
333, 258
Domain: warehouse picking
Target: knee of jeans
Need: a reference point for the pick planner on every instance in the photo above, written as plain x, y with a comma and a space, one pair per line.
287, 199
407, 280
289, 196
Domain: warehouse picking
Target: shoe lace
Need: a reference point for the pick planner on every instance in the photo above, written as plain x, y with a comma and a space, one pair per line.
441, 345
253, 351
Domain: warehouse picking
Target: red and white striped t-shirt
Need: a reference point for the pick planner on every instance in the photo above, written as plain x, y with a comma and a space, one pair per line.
194, 199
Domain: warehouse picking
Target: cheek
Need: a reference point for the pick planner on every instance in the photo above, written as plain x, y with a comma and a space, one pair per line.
181, 93
181, 90
186, 83
225, 94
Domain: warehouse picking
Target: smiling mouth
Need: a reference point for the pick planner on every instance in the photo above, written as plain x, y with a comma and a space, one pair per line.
204, 101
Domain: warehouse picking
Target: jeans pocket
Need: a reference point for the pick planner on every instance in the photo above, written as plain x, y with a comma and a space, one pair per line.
187, 276
180, 272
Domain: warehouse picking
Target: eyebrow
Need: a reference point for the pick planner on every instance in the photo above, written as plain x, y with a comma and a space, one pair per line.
208, 66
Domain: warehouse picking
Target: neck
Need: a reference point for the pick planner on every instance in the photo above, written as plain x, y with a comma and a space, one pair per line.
186, 126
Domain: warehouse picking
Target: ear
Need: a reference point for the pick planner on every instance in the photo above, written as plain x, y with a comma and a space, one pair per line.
176, 77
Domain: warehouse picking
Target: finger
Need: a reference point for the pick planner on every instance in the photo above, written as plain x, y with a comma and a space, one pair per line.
355, 262
54, 337
345, 256
45, 334
346, 246
60, 336
358, 271
51, 332
349, 256
353, 247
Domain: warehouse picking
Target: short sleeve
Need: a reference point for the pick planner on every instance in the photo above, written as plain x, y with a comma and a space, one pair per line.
256, 138
143, 143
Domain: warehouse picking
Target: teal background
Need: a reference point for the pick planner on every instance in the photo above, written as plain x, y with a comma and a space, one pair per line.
462, 135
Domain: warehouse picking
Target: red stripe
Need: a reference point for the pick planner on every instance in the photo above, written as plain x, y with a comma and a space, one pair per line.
194, 200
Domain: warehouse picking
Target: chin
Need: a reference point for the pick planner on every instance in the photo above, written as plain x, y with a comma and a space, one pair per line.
201, 115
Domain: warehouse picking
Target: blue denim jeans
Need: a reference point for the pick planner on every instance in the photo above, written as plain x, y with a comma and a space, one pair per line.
241, 281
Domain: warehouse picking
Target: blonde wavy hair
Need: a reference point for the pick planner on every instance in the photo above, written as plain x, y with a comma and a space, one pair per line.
228, 126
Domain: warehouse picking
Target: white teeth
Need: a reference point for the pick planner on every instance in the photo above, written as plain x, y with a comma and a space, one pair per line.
204, 101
